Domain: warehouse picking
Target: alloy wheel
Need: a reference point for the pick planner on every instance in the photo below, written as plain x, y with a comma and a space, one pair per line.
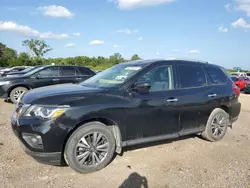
92, 149
17, 94
219, 124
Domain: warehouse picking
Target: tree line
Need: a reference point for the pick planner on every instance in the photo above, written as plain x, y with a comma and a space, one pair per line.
38, 48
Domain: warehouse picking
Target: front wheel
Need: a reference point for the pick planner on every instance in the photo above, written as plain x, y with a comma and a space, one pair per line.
90, 148
216, 127
16, 93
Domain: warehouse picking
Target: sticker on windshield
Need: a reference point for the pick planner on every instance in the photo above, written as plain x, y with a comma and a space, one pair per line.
133, 68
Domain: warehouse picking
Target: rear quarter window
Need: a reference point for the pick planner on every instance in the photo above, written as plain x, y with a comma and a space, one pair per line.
84, 71
216, 75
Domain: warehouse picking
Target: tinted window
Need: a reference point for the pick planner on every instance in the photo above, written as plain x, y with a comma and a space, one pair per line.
235, 79
216, 75
191, 76
49, 72
84, 71
161, 78
68, 71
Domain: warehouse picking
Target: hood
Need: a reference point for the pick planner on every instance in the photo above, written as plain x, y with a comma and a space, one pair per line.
62, 94
11, 78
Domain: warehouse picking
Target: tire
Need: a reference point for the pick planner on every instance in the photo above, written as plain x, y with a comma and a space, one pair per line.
80, 157
16, 93
213, 125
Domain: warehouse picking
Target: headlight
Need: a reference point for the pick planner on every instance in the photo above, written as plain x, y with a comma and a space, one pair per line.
45, 112
4, 83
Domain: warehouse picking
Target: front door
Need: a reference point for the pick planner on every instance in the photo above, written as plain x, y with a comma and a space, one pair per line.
155, 112
45, 77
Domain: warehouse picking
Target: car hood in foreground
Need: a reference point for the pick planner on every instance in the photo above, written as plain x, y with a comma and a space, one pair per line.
62, 94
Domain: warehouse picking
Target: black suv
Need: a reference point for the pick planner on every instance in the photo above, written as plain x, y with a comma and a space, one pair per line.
12, 87
127, 104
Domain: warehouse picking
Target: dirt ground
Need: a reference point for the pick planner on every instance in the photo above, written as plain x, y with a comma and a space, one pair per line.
186, 163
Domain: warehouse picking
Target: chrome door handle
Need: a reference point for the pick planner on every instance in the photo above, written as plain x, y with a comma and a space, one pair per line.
212, 95
78, 78
55, 80
172, 100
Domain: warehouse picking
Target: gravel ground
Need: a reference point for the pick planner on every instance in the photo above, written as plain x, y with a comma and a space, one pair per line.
186, 163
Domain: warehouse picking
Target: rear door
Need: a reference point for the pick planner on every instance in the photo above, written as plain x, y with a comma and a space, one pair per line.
45, 77
67, 75
194, 95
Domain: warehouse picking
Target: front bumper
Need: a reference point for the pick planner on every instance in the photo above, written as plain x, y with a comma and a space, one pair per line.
53, 134
54, 158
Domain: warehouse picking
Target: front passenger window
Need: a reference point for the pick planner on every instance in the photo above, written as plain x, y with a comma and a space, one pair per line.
49, 72
160, 78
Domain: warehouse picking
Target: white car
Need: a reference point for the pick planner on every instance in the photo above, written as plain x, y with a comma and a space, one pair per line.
240, 74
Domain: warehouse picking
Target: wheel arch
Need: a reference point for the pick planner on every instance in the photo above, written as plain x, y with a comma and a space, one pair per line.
112, 125
18, 85
226, 109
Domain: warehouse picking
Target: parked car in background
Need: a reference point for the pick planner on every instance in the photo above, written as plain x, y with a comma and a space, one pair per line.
248, 74
127, 104
3, 72
18, 73
247, 88
241, 74
12, 87
240, 81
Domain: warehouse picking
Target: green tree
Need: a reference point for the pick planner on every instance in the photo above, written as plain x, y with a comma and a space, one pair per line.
116, 58
38, 48
135, 57
24, 59
6, 54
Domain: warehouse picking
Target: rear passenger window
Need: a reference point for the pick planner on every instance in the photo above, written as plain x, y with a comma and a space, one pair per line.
192, 76
68, 71
216, 75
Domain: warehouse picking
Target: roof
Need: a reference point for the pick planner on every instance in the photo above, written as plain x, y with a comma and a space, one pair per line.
147, 62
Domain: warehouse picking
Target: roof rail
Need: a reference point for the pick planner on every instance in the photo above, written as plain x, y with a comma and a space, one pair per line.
192, 60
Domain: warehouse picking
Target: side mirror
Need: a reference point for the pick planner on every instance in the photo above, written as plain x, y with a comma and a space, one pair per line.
141, 86
37, 76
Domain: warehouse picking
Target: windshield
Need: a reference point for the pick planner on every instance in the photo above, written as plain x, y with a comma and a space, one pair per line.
113, 76
33, 71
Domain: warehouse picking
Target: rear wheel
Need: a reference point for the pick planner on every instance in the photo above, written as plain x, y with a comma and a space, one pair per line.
90, 148
217, 124
16, 93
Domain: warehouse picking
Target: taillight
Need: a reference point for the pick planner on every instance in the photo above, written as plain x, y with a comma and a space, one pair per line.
236, 90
